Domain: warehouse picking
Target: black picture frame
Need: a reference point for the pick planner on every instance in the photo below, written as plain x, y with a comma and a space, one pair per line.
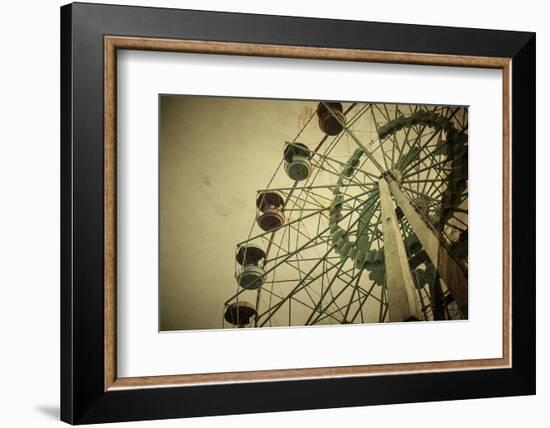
83, 398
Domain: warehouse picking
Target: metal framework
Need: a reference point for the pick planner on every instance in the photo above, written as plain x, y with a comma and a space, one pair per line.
374, 226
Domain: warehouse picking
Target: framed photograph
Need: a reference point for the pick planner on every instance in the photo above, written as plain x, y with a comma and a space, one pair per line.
265, 213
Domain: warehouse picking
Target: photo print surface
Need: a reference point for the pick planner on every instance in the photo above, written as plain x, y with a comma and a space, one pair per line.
278, 213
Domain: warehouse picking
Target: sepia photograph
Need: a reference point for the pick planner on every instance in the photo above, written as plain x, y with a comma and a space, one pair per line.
278, 213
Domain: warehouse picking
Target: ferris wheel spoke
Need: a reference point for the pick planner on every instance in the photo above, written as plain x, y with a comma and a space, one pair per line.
314, 243
326, 315
460, 228
279, 263
308, 292
439, 164
299, 287
367, 227
416, 192
314, 195
355, 139
366, 296
303, 283
464, 224
315, 152
434, 189
385, 114
327, 262
337, 172
317, 196
423, 147
355, 287
359, 114
418, 129
383, 304
361, 299
431, 156
400, 147
352, 208
333, 302
333, 171
388, 115
460, 210
326, 291
287, 256
397, 113
294, 200
424, 180
346, 273
437, 188
250, 239
295, 299
384, 156
282, 227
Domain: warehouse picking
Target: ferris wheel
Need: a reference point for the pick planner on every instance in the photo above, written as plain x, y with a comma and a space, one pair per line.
369, 223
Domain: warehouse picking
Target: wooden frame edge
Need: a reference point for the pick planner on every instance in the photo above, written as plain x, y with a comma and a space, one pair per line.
109, 198
112, 43
507, 208
298, 374
301, 52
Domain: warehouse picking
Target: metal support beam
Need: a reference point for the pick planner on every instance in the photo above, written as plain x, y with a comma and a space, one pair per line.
449, 270
402, 296
354, 138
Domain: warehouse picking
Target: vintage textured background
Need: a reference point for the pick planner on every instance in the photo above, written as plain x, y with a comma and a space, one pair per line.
214, 154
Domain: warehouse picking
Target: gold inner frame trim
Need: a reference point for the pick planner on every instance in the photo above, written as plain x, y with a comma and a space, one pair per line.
113, 43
